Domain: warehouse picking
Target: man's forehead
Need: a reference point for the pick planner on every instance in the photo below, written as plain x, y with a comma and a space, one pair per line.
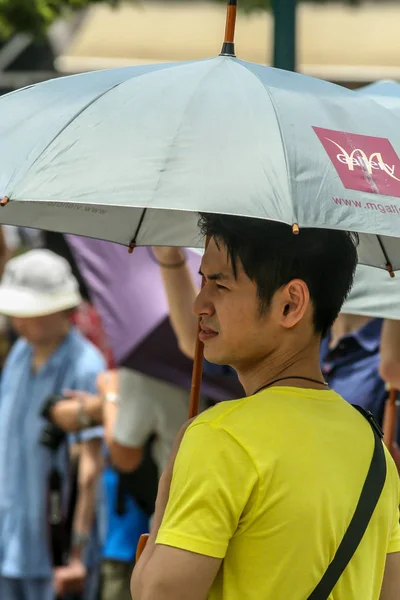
216, 256
216, 259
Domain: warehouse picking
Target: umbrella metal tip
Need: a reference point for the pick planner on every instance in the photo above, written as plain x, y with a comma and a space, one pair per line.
4, 201
295, 229
131, 247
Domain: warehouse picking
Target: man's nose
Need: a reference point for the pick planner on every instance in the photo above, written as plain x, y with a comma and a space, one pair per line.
203, 305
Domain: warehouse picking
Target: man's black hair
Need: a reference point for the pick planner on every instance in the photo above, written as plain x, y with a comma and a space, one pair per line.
272, 255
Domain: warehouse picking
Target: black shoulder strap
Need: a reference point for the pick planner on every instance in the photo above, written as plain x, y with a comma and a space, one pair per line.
369, 498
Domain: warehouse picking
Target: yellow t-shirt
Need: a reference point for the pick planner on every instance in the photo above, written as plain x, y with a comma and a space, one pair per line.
270, 483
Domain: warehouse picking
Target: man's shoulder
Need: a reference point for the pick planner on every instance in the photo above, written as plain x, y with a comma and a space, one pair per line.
221, 430
223, 414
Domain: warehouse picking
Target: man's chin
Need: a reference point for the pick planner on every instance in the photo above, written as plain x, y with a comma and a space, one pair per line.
214, 357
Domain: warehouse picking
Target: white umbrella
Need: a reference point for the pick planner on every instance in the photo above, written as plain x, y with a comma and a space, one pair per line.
131, 155
374, 294
386, 92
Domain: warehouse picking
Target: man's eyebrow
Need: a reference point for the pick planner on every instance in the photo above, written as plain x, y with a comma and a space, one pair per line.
213, 276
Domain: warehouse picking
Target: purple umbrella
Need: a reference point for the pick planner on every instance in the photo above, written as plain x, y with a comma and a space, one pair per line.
126, 289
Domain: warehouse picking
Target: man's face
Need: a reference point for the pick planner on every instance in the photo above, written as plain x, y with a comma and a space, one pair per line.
232, 328
40, 330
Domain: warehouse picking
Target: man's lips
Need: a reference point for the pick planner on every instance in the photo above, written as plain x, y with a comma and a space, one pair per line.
206, 333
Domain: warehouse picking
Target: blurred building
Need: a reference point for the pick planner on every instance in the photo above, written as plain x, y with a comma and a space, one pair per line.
349, 45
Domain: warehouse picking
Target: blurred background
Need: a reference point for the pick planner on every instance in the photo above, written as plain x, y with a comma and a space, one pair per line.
349, 42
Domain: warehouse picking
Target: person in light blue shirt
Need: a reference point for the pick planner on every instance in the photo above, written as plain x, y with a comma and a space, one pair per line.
38, 291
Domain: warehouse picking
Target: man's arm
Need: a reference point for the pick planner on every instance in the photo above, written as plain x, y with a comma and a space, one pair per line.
181, 293
175, 574
65, 413
391, 579
89, 470
390, 353
124, 457
71, 578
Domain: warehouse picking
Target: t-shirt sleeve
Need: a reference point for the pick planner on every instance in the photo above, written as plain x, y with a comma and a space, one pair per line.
394, 543
214, 485
136, 419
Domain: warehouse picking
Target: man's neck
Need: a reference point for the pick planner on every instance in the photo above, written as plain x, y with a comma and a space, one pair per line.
42, 352
345, 325
285, 366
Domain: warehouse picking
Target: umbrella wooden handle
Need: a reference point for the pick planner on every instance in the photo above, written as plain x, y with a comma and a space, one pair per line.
196, 377
390, 419
141, 545
197, 372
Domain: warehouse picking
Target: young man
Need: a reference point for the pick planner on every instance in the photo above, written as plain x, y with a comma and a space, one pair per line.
38, 292
259, 493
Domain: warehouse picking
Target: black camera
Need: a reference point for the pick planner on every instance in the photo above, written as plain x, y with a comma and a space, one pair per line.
52, 436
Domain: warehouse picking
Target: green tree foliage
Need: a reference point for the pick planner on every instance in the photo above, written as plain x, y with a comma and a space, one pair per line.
35, 16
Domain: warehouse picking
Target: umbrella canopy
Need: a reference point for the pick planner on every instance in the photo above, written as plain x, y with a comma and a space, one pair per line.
131, 155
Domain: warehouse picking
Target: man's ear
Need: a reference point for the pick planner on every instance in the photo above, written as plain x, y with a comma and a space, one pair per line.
294, 302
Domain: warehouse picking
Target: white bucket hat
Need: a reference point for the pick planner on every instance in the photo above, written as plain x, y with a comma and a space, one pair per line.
36, 284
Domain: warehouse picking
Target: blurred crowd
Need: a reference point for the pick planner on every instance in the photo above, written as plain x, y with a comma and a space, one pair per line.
84, 441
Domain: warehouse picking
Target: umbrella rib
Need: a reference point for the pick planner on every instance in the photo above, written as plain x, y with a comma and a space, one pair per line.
132, 243
388, 264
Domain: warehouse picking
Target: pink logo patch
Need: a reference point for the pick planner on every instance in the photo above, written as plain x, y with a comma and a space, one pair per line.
364, 163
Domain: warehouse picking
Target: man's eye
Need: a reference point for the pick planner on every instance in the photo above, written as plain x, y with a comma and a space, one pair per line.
221, 287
